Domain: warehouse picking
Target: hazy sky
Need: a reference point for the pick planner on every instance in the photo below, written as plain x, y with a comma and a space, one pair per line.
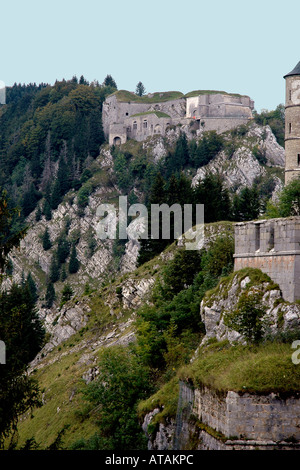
235, 46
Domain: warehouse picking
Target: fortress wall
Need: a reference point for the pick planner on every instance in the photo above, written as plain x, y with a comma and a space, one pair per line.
281, 270
155, 125
220, 124
255, 417
273, 246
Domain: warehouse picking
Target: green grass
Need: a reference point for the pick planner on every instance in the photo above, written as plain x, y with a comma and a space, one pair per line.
210, 92
124, 95
166, 399
261, 369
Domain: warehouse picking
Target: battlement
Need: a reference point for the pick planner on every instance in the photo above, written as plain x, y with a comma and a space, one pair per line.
273, 246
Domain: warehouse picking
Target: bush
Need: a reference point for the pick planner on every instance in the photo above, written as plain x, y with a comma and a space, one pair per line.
247, 318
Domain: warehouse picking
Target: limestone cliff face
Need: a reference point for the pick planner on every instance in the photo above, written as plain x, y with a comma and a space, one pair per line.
242, 168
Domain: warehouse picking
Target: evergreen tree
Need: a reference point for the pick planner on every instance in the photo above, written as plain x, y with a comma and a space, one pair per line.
73, 263
63, 250
56, 195
32, 287
54, 269
67, 293
215, 197
140, 89
63, 274
109, 81
46, 240
50, 295
38, 214
246, 205
21, 331
46, 206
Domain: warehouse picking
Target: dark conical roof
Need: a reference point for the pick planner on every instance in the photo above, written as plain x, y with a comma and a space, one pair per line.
295, 71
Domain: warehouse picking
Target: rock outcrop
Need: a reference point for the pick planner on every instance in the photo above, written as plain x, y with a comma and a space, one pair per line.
279, 315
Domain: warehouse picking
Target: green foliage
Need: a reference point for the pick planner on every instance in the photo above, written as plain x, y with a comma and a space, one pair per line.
73, 263
60, 123
50, 295
211, 192
210, 144
121, 383
23, 335
263, 368
8, 237
289, 199
46, 240
165, 327
140, 89
275, 119
246, 204
83, 195
66, 294
54, 269
63, 249
247, 318
179, 273
219, 257
110, 82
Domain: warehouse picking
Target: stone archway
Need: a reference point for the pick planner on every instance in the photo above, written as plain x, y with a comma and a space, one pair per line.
117, 141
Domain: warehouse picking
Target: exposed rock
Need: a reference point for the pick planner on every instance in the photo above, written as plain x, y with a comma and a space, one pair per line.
242, 168
164, 436
278, 315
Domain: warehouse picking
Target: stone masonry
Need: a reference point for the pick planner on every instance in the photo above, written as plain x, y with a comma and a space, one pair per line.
273, 246
249, 417
140, 119
292, 124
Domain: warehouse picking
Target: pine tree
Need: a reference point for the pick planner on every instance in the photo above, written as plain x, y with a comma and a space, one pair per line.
46, 240
56, 195
67, 293
63, 274
109, 81
38, 214
140, 89
50, 295
32, 287
63, 250
73, 263
54, 269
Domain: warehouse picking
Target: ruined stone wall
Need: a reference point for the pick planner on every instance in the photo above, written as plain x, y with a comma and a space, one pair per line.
273, 246
115, 111
251, 417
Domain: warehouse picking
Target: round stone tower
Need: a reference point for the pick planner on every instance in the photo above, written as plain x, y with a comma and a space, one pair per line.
292, 124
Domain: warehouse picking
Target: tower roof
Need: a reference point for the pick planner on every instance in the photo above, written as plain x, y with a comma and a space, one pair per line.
295, 71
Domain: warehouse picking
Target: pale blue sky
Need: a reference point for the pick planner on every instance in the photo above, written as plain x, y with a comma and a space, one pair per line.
236, 46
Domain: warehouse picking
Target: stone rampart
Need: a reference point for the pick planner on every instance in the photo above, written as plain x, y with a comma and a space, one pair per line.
273, 246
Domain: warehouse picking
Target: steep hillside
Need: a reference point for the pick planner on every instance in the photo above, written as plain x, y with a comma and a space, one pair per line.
77, 335
95, 296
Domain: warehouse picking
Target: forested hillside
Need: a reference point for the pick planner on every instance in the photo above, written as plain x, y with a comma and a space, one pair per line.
118, 312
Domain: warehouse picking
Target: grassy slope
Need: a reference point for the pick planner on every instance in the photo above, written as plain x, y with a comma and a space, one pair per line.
60, 372
124, 95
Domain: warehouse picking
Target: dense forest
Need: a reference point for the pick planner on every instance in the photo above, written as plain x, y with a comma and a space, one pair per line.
47, 134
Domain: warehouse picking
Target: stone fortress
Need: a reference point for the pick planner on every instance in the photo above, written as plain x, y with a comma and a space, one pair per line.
273, 246
127, 116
